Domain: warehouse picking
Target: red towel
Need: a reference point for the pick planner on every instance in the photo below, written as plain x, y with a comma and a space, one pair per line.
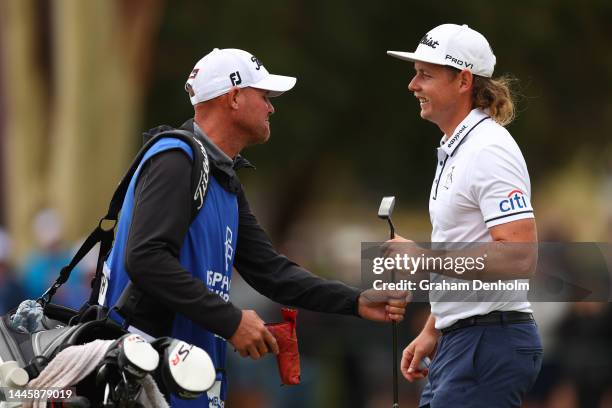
288, 358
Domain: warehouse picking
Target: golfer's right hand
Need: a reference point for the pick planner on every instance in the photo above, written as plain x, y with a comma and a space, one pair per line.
423, 346
252, 338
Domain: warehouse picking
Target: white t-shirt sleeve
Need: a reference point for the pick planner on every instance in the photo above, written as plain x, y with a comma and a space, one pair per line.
500, 185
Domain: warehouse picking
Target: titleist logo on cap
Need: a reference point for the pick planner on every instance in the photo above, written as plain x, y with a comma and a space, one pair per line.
428, 41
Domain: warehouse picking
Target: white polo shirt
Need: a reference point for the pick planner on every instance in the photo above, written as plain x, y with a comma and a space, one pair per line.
481, 181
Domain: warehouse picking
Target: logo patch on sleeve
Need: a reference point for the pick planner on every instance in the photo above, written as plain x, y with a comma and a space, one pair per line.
515, 201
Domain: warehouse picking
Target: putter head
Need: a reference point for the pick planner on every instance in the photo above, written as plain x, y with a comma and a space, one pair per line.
386, 207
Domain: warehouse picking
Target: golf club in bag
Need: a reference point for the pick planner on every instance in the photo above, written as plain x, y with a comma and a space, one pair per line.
384, 211
125, 365
184, 369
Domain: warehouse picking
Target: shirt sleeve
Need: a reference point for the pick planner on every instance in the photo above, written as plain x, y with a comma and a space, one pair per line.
501, 186
160, 221
276, 277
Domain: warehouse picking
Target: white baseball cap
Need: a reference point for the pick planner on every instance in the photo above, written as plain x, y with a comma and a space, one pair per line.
222, 69
456, 46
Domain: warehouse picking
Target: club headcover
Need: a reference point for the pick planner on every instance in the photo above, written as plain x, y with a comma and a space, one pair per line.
138, 357
131, 354
288, 358
186, 370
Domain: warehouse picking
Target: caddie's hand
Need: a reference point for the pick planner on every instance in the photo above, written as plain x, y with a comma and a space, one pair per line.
412, 365
252, 338
383, 305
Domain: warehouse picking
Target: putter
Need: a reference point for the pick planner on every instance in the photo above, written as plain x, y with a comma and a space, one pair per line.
384, 211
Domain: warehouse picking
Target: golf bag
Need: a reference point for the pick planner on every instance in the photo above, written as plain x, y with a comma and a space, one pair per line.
60, 327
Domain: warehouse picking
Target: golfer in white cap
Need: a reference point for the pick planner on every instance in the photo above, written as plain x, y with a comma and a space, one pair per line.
484, 353
183, 265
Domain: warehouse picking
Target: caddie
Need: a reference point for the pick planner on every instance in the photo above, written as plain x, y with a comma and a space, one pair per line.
182, 266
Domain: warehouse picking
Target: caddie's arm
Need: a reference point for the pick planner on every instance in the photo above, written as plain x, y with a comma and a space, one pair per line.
282, 280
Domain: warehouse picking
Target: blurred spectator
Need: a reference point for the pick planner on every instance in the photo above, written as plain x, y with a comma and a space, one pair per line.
43, 264
11, 293
585, 336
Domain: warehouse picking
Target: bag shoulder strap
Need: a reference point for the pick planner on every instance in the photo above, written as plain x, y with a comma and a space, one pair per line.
105, 231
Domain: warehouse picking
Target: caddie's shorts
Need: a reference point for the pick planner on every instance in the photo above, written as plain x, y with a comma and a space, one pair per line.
484, 366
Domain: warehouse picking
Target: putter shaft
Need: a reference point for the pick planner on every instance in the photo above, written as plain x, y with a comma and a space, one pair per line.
386, 209
394, 333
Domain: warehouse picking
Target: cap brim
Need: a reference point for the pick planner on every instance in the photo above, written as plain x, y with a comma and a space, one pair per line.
276, 85
411, 56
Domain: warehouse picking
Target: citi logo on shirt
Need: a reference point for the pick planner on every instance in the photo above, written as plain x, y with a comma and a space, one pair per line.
515, 201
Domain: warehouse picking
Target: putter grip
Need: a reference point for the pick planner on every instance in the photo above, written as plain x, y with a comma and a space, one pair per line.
288, 358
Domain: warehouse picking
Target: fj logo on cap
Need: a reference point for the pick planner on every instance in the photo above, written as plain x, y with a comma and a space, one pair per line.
235, 78
428, 41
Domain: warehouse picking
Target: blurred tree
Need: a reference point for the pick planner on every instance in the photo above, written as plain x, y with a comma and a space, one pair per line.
76, 73
25, 120
350, 128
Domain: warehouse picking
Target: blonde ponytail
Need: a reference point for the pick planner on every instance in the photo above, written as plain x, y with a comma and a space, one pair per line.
495, 96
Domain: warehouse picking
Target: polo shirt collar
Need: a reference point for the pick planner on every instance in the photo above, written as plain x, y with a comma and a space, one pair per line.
461, 131
214, 152
222, 166
218, 156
